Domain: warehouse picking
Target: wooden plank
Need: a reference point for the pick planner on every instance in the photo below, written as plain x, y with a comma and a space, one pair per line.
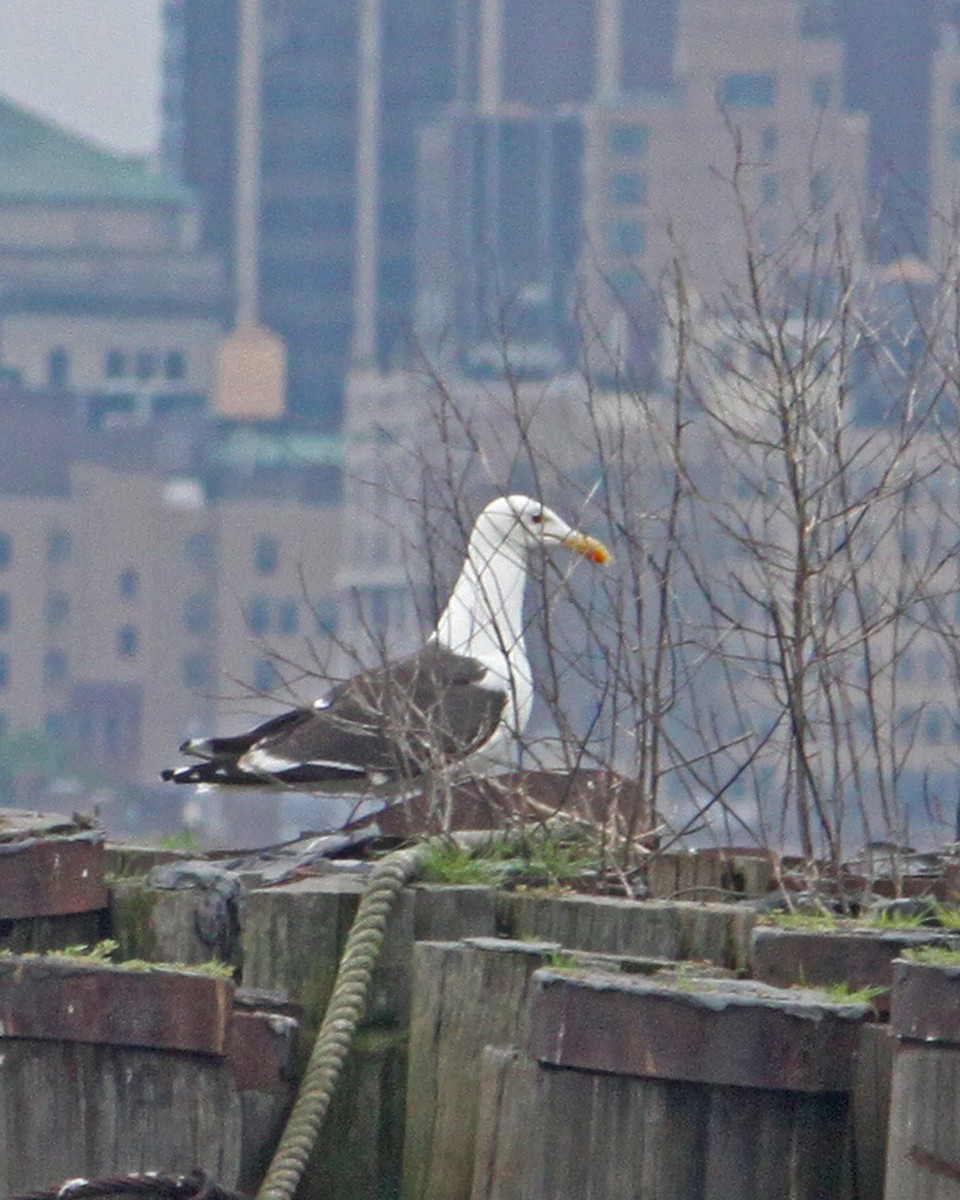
858, 957
260, 1049
163, 925
505, 1118
123, 860
465, 996
926, 1002
52, 875
923, 1158
717, 933
763, 1144
359, 1153
616, 1138
292, 939
69, 1110
69, 1000
870, 1105
721, 1031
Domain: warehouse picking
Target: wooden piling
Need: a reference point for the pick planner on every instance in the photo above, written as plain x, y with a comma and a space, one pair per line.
465, 996
717, 933
712, 1089
293, 938
923, 1159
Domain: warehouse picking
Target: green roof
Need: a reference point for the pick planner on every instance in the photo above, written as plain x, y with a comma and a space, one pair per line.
42, 163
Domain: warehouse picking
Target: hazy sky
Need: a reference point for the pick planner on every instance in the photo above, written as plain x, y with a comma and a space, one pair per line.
92, 65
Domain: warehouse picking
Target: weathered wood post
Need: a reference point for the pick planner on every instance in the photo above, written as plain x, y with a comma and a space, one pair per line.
705, 1091
293, 937
923, 1160
466, 995
105, 1071
717, 933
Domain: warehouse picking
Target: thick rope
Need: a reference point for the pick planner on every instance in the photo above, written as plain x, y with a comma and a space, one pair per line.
339, 1024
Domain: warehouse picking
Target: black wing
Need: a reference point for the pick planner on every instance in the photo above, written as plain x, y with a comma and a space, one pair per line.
400, 721
395, 723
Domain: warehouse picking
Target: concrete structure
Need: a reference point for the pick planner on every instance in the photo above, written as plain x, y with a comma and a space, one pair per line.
141, 605
103, 292
944, 161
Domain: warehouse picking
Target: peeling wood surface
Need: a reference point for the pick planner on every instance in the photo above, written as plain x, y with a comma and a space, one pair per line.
69, 1110
923, 1159
717, 933
465, 997
733, 1032
63, 999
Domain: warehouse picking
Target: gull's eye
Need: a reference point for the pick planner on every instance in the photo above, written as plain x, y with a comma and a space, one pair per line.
537, 518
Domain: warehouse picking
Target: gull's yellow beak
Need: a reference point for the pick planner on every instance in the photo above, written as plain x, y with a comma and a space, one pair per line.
589, 547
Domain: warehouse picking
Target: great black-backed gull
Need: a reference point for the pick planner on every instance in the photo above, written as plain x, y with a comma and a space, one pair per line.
458, 703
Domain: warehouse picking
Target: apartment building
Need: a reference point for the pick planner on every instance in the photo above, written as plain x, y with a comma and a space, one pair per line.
141, 605
104, 293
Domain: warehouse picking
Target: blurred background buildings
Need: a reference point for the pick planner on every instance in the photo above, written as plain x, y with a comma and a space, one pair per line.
345, 190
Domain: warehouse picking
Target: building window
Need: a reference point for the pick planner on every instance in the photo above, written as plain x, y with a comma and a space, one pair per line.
956, 94
198, 550
769, 188
56, 608
744, 90
933, 726
196, 670
127, 641
821, 189
4, 724
4, 669
627, 237
288, 617
115, 364
265, 677
58, 368
175, 366
128, 583
145, 364
198, 613
325, 616
54, 667
57, 726
4, 612
821, 88
629, 140
266, 554
768, 141
6, 550
258, 615
628, 189
59, 546
954, 144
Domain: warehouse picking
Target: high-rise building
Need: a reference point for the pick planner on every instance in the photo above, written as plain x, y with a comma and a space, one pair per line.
344, 87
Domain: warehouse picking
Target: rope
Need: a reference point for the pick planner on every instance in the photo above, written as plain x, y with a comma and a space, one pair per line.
339, 1024
326, 1059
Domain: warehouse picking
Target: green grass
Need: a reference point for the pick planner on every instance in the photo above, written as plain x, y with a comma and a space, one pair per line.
100, 954
934, 956
446, 862
185, 840
891, 919
843, 993
540, 858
